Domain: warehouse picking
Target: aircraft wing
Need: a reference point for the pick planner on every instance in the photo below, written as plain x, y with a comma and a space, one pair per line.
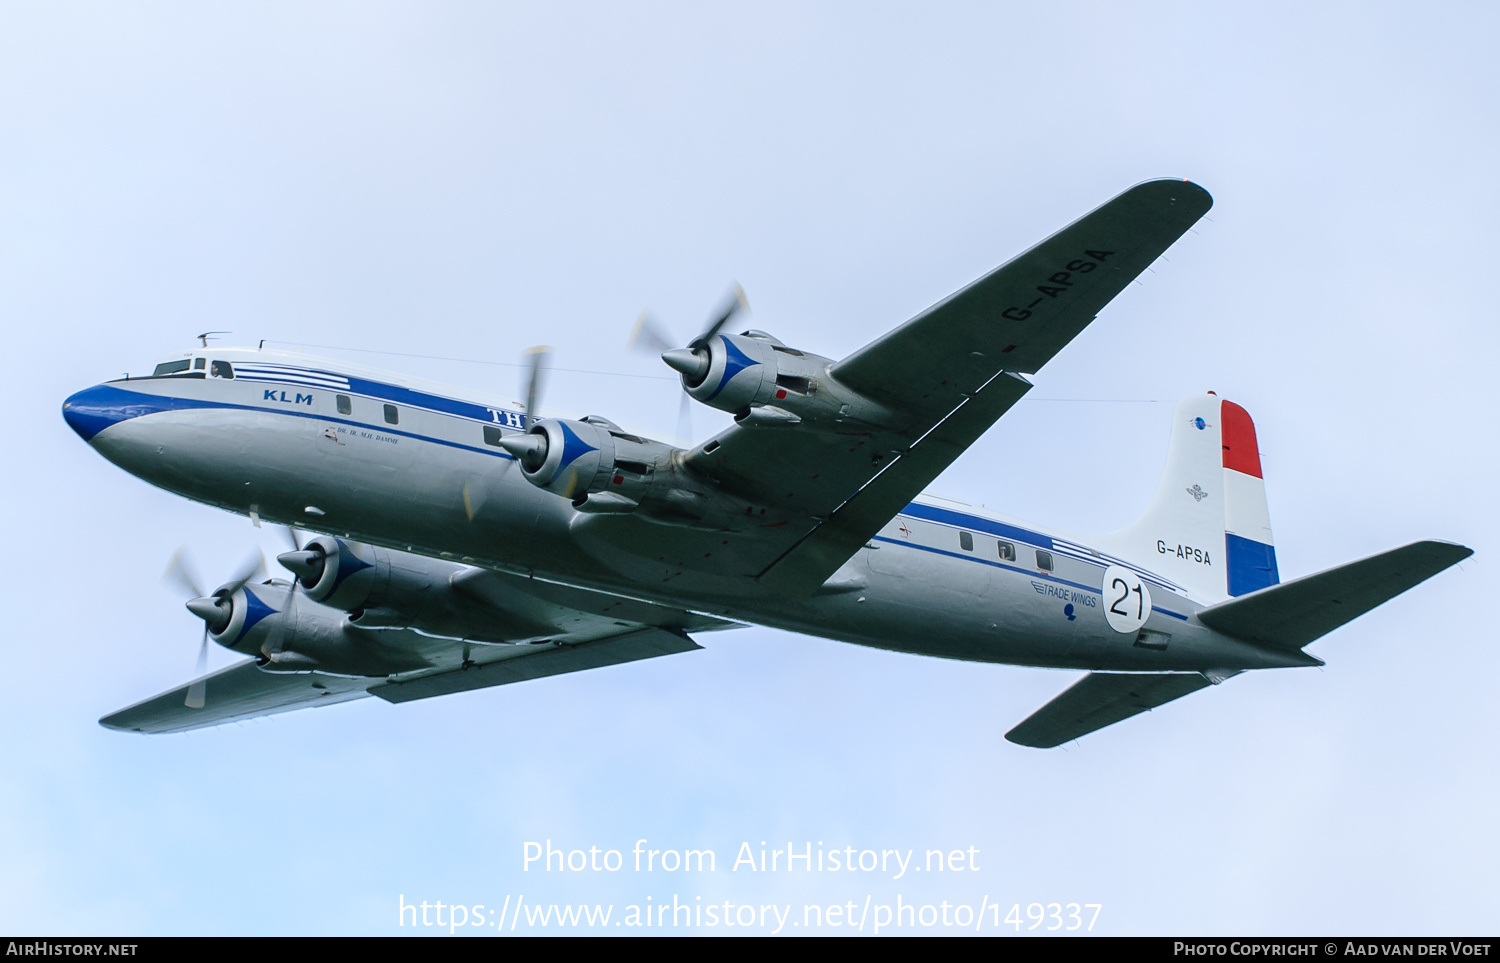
949, 373
241, 691
1101, 699
586, 630
551, 659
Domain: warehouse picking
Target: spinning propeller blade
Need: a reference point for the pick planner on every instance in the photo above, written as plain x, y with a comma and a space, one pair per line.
649, 335
692, 361
273, 645
199, 689
536, 370
734, 302
181, 575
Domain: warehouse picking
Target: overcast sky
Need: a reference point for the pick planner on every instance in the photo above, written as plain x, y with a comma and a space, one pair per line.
463, 181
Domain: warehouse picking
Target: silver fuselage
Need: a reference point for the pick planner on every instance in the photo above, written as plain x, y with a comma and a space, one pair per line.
272, 442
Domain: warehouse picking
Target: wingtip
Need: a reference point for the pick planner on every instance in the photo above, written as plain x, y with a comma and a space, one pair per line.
1012, 738
1184, 185
1458, 551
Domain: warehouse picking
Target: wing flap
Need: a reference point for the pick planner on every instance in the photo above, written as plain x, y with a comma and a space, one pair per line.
240, 691
810, 562
1101, 699
1296, 613
551, 660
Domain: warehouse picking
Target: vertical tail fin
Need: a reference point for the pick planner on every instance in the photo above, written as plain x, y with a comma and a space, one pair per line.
1208, 528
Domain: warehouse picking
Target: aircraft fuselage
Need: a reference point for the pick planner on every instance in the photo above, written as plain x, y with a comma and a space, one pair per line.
379, 459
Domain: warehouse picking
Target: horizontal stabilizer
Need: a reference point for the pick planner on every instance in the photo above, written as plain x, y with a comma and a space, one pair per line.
1101, 699
552, 660
1295, 613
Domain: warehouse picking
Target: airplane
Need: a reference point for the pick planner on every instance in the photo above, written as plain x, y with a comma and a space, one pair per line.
463, 541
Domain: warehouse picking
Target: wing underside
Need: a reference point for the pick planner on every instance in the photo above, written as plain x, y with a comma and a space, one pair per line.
584, 630
947, 374
240, 691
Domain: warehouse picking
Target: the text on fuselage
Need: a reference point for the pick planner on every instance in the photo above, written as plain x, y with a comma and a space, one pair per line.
271, 394
510, 419
1188, 552
1066, 594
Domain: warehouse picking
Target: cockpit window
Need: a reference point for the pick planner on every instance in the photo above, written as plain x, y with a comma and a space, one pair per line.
171, 367
198, 363
221, 369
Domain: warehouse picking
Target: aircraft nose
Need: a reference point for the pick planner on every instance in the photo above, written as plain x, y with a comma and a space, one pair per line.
92, 410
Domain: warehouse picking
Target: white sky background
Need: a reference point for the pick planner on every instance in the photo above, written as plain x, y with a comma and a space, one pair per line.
469, 180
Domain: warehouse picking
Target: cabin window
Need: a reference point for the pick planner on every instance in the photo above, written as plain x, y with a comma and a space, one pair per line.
492, 435
346, 407
171, 367
222, 369
198, 363
966, 541
392, 416
1007, 551
1044, 560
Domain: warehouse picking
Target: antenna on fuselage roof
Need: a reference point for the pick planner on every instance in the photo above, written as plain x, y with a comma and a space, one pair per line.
209, 334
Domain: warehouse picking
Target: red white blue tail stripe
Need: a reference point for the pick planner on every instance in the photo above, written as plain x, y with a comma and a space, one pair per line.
1250, 553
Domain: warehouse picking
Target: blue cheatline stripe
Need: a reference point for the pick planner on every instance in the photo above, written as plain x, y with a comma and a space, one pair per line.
1252, 565
1030, 573
999, 529
103, 405
420, 399
297, 380
1066, 549
94, 409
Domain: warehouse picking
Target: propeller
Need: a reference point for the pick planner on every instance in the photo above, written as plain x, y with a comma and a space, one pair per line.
649, 336
290, 534
536, 370
692, 362
197, 693
215, 610
529, 449
272, 647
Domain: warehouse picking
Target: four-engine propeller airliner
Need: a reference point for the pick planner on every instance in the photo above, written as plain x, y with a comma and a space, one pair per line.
466, 542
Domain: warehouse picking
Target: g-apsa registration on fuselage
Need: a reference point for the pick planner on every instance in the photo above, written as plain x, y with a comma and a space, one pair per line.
468, 542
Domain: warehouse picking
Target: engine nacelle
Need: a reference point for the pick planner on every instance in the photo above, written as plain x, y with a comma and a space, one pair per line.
565, 457
593, 463
240, 617
380, 589
610, 472
766, 384
327, 567
285, 632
